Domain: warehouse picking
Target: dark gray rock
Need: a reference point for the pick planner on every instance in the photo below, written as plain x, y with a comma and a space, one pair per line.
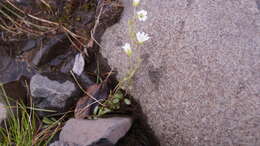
30, 44
85, 80
12, 69
51, 49
101, 132
55, 91
68, 64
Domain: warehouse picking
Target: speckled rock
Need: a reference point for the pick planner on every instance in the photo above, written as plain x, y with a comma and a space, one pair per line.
199, 82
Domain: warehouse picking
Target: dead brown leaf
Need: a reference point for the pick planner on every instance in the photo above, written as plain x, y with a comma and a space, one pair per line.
87, 103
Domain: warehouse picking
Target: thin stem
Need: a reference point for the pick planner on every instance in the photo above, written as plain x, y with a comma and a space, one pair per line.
81, 88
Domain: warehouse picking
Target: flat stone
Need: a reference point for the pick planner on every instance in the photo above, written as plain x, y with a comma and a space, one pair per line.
54, 91
199, 81
102, 142
94, 132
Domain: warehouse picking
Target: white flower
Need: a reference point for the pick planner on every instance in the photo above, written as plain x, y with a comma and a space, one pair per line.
127, 49
142, 15
142, 37
136, 3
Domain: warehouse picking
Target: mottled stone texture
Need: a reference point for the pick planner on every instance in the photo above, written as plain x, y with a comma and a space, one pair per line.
199, 82
95, 132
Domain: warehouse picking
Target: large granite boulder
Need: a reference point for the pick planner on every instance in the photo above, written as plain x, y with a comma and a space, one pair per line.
199, 82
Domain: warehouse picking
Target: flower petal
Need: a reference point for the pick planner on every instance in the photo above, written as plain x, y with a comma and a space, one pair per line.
142, 15
142, 37
127, 49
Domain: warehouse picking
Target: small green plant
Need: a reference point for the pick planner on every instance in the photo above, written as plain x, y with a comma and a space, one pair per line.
111, 104
136, 39
20, 127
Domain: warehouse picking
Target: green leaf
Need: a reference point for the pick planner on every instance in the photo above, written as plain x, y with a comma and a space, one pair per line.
117, 107
53, 119
119, 95
96, 110
116, 100
45, 126
107, 110
47, 121
127, 101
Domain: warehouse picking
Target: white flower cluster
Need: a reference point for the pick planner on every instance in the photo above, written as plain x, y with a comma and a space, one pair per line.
141, 37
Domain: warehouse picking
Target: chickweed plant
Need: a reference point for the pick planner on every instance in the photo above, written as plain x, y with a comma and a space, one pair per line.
137, 38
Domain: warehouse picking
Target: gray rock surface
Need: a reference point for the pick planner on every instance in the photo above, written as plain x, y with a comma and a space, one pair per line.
3, 113
12, 69
54, 91
29, 45
199, 82
94, 132
60, 143
102, 142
